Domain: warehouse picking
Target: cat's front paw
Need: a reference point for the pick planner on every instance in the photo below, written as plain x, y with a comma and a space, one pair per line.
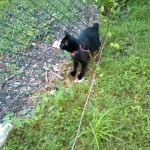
73, 73
80, 76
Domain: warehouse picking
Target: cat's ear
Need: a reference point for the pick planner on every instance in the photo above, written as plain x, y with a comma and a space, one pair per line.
66, 33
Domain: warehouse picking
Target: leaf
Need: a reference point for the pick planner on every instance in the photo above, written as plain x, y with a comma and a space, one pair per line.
84, 1
115, 4
51, 108
45, 99
17, 122
102, 9
26, 120
67, 81
115, 45
56, 44
6, 119
52, 92
56, 67
1, 57
37, 108
35, 118
24, 111
44, 24
109, 34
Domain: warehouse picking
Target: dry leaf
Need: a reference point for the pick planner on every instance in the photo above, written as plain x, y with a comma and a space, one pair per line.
56, 67
1, 57
67, 81
56, 44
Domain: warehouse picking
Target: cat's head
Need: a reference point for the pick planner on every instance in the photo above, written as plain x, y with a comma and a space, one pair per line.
69, 43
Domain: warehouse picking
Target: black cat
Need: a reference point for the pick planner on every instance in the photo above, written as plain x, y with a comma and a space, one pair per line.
80, 48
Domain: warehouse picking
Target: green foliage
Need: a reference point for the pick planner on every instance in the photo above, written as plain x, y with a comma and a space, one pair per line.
118, 114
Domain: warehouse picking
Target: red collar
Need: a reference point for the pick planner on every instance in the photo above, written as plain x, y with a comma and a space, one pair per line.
80, 49
72, 53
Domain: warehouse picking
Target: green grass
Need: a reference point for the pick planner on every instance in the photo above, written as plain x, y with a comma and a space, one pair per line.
118, 114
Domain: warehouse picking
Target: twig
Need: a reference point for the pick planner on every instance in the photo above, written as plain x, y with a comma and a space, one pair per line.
47, 69
56, 74
46, 76
89, 93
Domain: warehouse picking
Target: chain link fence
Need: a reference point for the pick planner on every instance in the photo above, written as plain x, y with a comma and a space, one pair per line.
28, 29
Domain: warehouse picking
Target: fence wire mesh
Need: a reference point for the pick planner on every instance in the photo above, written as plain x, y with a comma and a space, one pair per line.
28, 29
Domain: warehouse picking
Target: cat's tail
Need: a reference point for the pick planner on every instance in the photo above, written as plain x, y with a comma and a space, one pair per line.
96, 26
